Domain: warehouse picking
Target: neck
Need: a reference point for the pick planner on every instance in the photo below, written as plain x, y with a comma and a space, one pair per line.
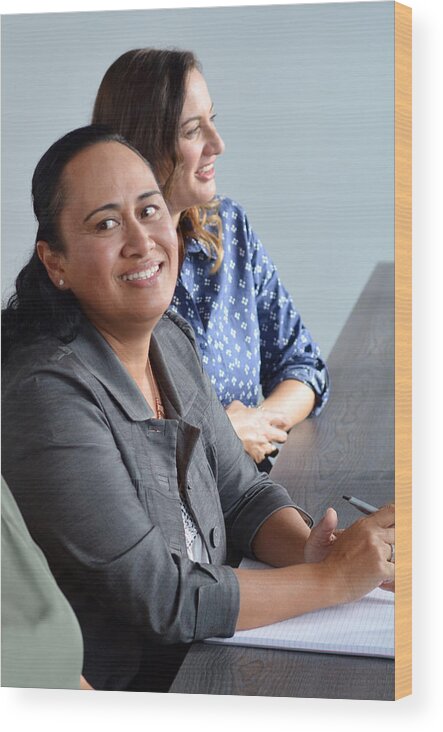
134, 355
132, 349
175, 216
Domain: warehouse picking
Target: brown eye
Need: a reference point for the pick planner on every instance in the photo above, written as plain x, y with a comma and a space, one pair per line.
106, 225
149, 211
192, 133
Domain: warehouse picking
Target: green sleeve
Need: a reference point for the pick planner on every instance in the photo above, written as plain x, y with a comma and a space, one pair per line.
42, 645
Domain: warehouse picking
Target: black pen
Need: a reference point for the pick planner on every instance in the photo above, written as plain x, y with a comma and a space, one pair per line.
361, 505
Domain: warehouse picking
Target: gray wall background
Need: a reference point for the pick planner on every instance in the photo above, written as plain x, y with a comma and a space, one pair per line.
305, 102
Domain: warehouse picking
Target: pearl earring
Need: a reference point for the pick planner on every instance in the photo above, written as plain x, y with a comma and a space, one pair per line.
61, 283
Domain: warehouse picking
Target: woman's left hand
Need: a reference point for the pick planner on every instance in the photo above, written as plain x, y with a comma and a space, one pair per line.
258, 429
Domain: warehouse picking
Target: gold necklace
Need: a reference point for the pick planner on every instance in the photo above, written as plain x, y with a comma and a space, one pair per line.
159, 408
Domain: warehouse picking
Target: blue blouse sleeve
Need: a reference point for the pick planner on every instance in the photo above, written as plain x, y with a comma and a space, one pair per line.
287, 348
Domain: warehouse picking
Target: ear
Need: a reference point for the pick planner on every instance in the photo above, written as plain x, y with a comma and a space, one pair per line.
53, 263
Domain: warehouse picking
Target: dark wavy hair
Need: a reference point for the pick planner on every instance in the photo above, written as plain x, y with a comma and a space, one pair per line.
38, 308
141, 96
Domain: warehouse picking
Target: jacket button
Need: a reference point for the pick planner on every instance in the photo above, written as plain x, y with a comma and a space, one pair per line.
214, 536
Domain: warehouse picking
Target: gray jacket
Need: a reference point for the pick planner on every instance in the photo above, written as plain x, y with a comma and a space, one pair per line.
97, 479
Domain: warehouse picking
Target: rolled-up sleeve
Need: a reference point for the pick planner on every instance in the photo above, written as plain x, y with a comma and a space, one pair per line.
286, 345
248, 497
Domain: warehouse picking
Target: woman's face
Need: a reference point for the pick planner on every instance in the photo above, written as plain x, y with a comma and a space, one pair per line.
120, 257
199, 145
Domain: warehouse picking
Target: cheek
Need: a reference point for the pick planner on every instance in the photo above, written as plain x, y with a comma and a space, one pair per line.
169, 242
88, 263
190, 156
172, 249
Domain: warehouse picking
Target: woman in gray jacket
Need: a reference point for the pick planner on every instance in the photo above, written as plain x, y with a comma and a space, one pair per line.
119, 454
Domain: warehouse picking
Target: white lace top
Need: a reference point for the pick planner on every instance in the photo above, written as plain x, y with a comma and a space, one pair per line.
195, 547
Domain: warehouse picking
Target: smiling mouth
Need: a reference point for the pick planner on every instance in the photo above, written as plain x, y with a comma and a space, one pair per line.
206, 169
144, 274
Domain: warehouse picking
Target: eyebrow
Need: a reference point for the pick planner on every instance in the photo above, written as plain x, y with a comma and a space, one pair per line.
115, 206
197, 117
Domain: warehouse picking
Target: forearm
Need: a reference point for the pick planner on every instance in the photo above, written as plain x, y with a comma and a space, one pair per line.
358, 560
271, 595
292, 399
281, 539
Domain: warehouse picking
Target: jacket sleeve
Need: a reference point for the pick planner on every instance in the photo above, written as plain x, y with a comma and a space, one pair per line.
247, 496
287, 348
42, 645
81, 506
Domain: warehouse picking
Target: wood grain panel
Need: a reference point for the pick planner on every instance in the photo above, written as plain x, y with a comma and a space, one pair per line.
403, 366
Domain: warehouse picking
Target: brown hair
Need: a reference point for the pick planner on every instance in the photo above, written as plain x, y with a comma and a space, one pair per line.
141, 97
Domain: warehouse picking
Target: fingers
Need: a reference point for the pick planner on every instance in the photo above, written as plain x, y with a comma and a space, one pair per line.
338, 532
321, 537
268, 427
273, 434
266, 449
278, 420
390, 575
331, 518
385, 517
258, 451
389, 536
362, 553
328, 524
388, 586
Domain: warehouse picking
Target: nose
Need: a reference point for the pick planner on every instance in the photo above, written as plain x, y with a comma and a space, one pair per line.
138, 241
214, 143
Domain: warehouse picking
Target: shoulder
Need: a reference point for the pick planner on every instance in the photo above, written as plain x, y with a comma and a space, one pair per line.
46, 367
178, 324
237, 230
25, 360
177, 342
173, 331
228, 208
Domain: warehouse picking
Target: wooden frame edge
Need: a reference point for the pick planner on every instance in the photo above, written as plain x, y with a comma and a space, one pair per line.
403, 355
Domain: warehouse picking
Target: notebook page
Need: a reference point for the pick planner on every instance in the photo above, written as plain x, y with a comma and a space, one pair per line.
365, 627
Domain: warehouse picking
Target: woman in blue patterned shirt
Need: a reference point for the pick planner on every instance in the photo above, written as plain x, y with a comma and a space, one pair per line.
250, 335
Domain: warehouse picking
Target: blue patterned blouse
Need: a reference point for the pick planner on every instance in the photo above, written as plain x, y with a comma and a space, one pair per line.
247, 327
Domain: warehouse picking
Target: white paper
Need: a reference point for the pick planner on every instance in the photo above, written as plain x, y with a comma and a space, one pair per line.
365, 627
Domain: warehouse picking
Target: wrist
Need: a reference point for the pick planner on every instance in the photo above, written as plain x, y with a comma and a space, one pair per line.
314, 589
333, 591
336, 586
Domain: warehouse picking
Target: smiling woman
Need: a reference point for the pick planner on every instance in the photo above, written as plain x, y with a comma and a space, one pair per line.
119, 454
119, 254
199, 146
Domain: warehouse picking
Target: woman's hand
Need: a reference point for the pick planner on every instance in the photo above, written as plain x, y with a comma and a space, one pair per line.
257, 429
321, 538
84, 684
293, 400
359, 557
335, 571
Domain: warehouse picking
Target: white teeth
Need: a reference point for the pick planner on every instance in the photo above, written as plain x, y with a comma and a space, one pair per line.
146, 274
206, 168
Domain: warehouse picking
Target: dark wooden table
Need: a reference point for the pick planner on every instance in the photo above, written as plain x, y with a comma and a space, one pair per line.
348, 450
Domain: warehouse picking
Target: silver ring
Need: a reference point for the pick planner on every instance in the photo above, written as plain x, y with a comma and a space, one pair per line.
392, 557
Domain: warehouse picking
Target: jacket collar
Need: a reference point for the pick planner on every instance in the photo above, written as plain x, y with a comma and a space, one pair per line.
173, 375
100, 360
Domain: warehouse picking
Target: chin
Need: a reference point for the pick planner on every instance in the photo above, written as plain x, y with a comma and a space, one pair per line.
206, 198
